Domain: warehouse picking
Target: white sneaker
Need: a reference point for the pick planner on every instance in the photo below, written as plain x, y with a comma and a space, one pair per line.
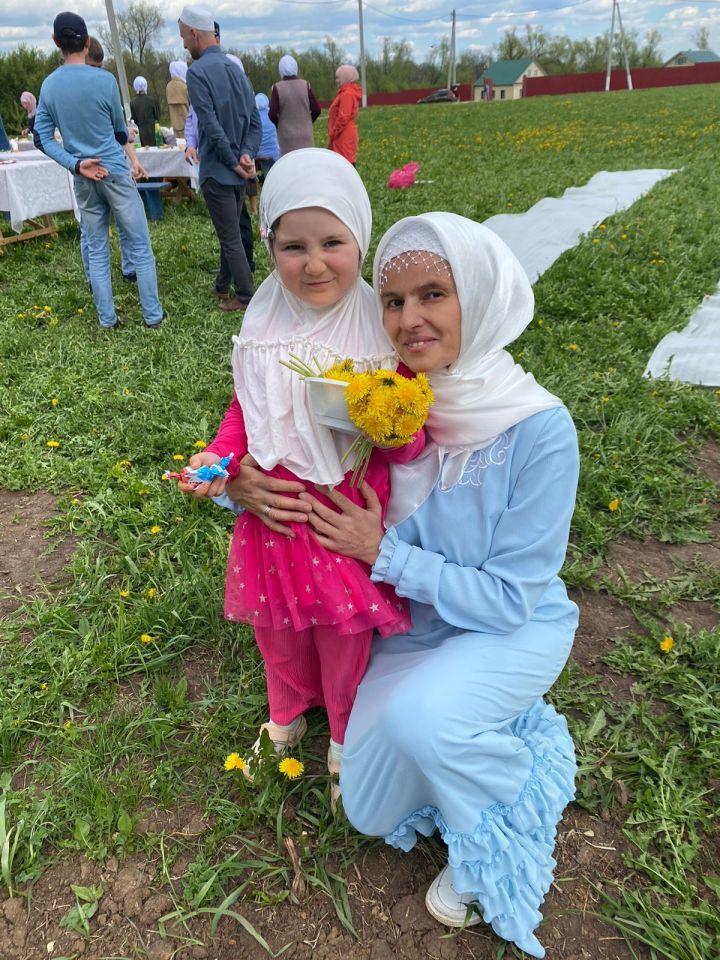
282, 740
333, 764
447, 906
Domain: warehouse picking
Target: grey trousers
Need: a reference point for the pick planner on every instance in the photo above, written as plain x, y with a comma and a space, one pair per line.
225, 204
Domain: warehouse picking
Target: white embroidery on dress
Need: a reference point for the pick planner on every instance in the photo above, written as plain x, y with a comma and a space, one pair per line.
491, 456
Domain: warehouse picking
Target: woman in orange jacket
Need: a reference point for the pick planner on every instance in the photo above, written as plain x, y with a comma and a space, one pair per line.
342, 129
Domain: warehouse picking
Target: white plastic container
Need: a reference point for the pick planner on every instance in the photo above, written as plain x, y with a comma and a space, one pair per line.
327, 402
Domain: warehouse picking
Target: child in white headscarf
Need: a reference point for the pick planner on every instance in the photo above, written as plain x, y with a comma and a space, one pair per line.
314, 612
177, 97
145, 111
293, 107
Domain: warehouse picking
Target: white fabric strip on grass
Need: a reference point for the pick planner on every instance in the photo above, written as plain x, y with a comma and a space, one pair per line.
693, 354
554, 225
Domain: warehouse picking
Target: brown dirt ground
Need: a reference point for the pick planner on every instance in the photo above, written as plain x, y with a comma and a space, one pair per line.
385, 888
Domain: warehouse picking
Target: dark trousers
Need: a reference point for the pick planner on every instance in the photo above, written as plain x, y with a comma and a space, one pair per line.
226, 206
224, 276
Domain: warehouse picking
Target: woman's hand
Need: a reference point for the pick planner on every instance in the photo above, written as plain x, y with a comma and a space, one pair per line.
266, 497
213, 488
355, 531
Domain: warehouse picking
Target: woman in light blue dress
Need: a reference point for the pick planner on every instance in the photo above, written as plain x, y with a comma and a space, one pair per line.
449, 730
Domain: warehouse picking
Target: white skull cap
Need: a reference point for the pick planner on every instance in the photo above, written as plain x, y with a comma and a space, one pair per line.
198, 18
417, 244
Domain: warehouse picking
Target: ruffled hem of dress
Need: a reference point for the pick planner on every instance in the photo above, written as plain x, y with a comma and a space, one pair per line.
506, 863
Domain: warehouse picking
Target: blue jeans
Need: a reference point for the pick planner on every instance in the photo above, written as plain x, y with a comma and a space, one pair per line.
125, 262
117, 194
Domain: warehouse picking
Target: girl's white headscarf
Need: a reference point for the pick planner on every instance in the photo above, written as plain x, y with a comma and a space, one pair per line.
288, 66
279, 426
140, 85
484, 392
178, 70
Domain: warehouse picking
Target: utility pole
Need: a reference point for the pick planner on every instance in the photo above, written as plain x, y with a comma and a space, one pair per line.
623, 48
363, 80
451, 63
119, 62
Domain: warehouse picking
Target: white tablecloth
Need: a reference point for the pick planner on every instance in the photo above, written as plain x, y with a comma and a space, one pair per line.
167, 162
33, 186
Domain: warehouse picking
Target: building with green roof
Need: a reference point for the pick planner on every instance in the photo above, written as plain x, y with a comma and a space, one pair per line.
688, 58
506, 78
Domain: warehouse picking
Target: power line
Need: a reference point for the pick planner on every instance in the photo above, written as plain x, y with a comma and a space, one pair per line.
395, 16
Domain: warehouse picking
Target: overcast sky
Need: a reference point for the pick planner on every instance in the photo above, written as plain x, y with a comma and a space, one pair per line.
301, 24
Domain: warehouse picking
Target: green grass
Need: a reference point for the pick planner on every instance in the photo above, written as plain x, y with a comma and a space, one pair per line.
97, 729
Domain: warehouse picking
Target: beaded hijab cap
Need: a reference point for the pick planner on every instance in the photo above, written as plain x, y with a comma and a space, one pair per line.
415, 246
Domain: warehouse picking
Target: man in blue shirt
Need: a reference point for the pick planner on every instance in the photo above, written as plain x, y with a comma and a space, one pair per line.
229, 136
84, 104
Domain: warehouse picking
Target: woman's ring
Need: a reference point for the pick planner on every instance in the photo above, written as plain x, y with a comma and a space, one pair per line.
267, 509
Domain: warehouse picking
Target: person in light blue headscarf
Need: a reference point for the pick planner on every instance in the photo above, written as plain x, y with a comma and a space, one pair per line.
269, 150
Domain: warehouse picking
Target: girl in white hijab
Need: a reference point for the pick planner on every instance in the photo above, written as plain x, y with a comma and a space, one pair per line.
449, 731
313, 612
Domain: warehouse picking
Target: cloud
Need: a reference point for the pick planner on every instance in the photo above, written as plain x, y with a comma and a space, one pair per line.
259, 23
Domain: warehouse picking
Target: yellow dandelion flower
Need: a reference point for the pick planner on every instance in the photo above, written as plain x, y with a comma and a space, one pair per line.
146, 638
199, 444
623, 236
47, 309
614, 504
54, 401
605, 399
151, 593
68, 724
572, 346
291, 768
122, 464
178, 456
612, 246
24, 436
666, 644
43, 686
53, 444
155, 529
80, 311
596, 240
601, 226
233, 761
124, 594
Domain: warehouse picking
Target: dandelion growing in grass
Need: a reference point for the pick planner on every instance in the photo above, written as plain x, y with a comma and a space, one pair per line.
155, 529
53, 444
291, 768
666, 644
145, 638
124, 594
613, 505
151, 593
233, 761
200, 444
54, 401
178, 456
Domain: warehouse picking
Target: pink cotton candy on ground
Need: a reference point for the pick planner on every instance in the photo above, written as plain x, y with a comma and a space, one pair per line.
403, 178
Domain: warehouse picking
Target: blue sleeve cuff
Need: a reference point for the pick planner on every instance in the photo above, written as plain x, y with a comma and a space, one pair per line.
224, 501
391, 560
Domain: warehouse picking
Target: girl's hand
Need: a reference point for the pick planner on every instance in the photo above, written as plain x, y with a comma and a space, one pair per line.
265, 497
212, 489
354, 531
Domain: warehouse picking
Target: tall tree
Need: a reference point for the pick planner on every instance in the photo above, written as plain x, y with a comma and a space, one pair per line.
138, 26
701, 38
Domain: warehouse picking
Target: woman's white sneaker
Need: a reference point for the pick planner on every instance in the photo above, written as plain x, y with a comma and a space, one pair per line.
447, 906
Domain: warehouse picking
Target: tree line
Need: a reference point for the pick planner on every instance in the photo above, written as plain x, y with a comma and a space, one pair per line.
392, 68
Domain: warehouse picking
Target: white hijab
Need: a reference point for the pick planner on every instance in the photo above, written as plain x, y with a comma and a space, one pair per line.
279, 425
178, 70
484, 392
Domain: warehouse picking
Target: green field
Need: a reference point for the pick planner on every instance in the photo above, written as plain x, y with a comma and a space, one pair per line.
103, 737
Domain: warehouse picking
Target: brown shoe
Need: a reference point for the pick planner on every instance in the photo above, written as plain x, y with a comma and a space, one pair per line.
233, 304
221, 294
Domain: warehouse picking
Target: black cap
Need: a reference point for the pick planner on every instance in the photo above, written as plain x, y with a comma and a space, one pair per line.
70, 25
216, 27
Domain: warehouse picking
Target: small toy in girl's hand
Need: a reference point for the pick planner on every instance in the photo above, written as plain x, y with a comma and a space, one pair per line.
205, 474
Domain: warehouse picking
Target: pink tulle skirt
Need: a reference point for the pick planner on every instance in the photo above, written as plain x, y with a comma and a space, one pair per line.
276, 582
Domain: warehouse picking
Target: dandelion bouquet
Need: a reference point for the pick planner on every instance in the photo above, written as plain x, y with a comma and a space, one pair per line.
385, 406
